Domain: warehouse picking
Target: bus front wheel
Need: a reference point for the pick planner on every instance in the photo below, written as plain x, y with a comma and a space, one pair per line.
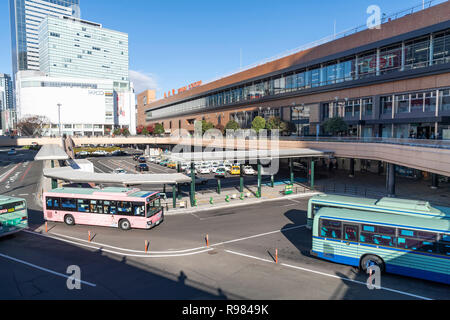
371, 260
124, 225
69, 220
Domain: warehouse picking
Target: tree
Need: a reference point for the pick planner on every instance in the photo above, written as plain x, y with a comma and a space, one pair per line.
117, 132
274, 123
221, 128
125, 132
206, 126
145, 131
150, 129
335, 126
140, 129
232, 125
258, 124
33, 125
159, 129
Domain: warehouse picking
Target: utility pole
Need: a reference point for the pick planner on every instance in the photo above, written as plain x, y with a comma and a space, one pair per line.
59, 118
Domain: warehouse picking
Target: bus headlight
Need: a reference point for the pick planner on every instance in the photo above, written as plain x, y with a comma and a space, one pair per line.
149, 223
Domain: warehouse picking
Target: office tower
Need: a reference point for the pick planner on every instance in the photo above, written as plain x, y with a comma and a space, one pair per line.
25, 17
70, 47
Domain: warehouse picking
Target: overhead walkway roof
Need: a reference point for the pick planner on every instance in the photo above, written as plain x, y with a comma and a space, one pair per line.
51, 152
78, 176
249, 155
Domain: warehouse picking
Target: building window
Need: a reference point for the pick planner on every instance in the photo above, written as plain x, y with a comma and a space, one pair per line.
417, 53
386, 105
417, 102
390, 59
444, 100
441, 50
402, 103
367, 65
367, 107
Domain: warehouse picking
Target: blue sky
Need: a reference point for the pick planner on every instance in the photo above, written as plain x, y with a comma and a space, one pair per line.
174, 43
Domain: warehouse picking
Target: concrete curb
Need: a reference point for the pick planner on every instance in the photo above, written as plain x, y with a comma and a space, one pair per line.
235, 205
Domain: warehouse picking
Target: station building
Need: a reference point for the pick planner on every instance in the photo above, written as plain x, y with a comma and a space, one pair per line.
388, 82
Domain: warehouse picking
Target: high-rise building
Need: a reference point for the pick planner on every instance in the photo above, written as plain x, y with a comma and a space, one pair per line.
25, 17
6, 92
70, 47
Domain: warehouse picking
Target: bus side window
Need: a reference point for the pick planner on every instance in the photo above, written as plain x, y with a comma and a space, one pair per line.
55, 203
49, 203
113, 208
139, 209
444, 245
106, 205
83, 205
330, 229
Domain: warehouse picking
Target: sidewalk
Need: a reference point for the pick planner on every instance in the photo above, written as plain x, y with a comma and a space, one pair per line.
234, 198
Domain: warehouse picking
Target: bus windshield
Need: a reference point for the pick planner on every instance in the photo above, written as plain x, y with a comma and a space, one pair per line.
153, 207
12, 207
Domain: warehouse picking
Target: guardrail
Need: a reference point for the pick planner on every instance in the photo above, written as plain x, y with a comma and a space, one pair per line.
427, 143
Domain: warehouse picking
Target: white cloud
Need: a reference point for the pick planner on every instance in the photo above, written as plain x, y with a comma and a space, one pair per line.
143, 81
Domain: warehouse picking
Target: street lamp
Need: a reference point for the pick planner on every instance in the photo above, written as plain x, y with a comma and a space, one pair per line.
59, 118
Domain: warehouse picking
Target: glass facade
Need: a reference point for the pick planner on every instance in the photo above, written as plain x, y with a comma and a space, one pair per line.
73, 48
396, 57
25, 17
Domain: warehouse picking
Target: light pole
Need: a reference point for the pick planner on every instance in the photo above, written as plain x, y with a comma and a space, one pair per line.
59, 118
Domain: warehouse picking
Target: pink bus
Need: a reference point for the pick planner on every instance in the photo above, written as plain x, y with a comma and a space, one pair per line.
108, 207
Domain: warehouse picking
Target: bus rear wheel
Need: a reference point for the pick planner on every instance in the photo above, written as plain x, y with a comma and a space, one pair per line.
124, 225
371, 259
69, 220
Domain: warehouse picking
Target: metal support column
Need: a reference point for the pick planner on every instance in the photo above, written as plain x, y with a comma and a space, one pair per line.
391, 180
291, 170
241, 186
259, 179
174, 195
312, 174
434, 181
219, 186
192, 184
352, 168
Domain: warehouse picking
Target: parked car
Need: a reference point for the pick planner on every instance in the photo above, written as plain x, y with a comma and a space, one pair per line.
221, 172
100, 153
227, 167
12, 152
119, 171
82, 154
172, 165
188, 171
142, 160
164, 163
235, 170
118, 153
198, 181
136, 157
205, 170
142, 167
152, 159
248, 170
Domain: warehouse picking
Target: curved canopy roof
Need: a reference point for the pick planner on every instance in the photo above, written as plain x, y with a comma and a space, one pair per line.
78, 176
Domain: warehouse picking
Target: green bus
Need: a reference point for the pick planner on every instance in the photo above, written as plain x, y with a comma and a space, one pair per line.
13, 215
414, 246
385, 205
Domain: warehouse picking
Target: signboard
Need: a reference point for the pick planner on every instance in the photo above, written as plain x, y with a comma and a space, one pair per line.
183, 89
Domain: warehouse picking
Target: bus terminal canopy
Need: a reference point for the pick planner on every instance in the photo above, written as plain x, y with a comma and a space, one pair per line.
51, 152
250, 155
77, 176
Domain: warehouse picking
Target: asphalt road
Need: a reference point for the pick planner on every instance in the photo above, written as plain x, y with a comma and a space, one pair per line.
238, 264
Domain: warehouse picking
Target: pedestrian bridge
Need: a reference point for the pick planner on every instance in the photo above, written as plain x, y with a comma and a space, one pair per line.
426, 155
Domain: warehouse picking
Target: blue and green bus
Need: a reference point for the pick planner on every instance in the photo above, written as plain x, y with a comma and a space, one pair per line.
412, 208
413, 246
13, 215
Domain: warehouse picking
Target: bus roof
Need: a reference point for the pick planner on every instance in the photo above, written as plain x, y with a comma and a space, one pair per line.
428, 224
390, 205
114, 191
7, 199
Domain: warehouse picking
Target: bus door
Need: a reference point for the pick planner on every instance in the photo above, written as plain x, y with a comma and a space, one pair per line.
350, 243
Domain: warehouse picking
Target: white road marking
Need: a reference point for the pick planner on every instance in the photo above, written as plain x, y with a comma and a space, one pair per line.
56, 235
327, 275
100, 247
44, 269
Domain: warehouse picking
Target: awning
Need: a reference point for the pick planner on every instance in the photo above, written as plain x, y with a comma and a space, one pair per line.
78, 176
51, 152
250, 155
